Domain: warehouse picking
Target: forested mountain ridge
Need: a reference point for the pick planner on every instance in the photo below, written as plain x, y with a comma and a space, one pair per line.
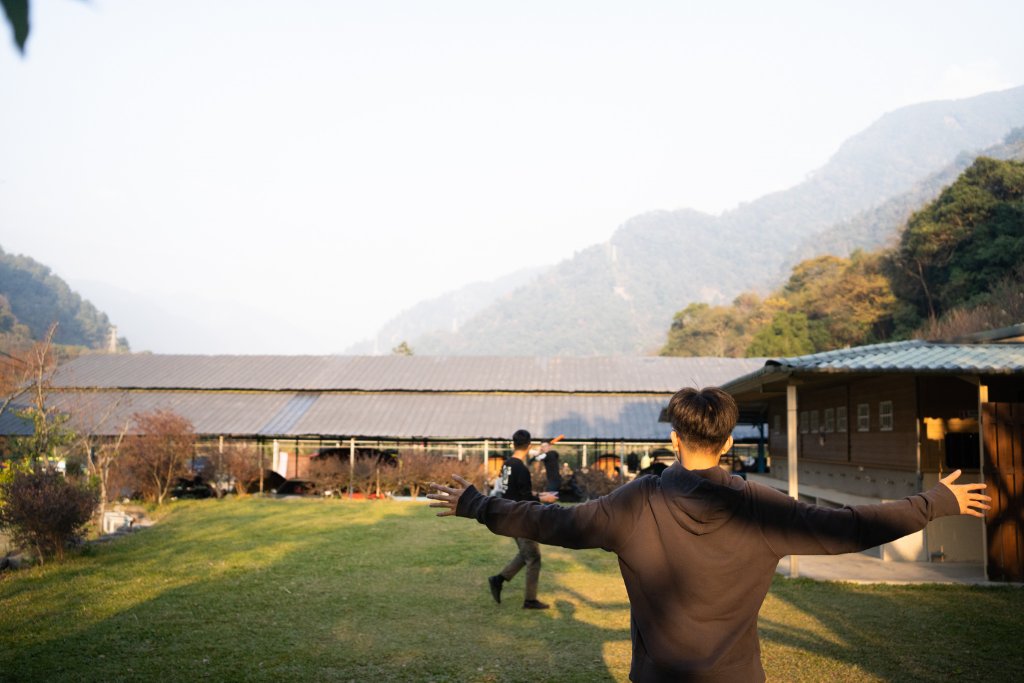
32, 298
880, 226
957, 268
615, 298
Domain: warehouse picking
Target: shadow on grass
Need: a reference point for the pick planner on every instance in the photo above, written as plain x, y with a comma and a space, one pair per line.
257, 590
905, 633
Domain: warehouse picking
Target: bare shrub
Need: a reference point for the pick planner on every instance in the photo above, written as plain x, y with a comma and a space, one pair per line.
419, 468
44, 510
329, 473
470, 470
364, 475
593, 483
389, 475
158, 452
240, 465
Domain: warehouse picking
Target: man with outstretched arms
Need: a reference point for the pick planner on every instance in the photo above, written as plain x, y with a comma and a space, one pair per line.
697, 547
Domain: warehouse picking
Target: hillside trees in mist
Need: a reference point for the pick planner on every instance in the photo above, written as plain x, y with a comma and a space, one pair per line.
961, 256
957, 247
32, 299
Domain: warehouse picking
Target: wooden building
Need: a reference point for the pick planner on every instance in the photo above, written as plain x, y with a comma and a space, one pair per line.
881, 422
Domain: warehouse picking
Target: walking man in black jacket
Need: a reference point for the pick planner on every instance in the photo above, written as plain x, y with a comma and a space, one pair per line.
698, 547
517, 484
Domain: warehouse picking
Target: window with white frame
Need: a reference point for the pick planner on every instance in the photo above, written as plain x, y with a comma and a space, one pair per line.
815, 422
841, 425
830, 420
803, 422
885, 416
863, 417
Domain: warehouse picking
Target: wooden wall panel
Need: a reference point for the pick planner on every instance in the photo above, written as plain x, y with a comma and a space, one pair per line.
896, 449
1003, 433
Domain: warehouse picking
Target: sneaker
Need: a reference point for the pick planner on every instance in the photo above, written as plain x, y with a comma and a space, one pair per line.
535, 604
495, 583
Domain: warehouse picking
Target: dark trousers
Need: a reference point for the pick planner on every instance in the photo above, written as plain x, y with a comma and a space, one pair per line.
529, 557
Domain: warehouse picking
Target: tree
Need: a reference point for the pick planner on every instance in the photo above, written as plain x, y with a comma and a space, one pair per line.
17, 17
102, 457
956, 248
704, 330
30, 373
788, 334
402, 349
418, 468
847, 301
240, 464
162, 444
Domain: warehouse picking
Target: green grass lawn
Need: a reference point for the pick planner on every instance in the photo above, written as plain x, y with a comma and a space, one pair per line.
384, 591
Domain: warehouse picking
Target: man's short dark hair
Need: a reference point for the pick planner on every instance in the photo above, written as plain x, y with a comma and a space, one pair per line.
703, 418
521, 438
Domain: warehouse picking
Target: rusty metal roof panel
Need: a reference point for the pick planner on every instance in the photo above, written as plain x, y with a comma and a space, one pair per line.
398, 373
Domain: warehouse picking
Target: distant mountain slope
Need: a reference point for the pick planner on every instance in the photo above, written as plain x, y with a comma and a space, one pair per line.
443, 314
36, 298
618, 298
880, 226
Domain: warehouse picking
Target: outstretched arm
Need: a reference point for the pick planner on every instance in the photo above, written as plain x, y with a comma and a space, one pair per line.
970, 502
793, 527
602, 523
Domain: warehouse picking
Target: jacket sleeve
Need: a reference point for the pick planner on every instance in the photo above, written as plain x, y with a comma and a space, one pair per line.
603, 523
794, 527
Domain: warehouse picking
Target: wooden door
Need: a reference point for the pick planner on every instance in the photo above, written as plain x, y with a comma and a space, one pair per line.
1003, 432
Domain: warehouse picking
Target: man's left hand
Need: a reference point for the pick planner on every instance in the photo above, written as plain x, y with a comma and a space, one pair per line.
447, 497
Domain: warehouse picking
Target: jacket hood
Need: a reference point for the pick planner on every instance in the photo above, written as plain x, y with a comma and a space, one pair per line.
701, 500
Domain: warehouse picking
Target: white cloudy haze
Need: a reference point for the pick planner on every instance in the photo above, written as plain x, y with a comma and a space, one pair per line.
284, 177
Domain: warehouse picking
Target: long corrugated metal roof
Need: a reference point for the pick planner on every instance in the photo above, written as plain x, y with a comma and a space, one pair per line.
105, 413
398, 373
386, 396
478, 416
403, 415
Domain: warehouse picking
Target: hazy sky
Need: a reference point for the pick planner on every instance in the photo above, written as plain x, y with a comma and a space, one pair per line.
284, 177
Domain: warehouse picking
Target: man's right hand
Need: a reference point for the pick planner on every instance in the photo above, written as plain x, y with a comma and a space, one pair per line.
971, 503
447, 497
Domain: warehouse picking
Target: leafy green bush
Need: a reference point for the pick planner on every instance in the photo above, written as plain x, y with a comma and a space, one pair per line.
45, 511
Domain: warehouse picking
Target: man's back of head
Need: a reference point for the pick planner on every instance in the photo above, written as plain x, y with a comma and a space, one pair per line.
703, 418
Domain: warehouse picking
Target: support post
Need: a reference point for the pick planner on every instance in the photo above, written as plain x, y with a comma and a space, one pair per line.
791, 455
460, 452
259, 447
351, 464
584, 464
487, 471
982, 400
760, 448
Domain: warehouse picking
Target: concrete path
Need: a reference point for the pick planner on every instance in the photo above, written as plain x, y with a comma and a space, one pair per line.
858, 568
